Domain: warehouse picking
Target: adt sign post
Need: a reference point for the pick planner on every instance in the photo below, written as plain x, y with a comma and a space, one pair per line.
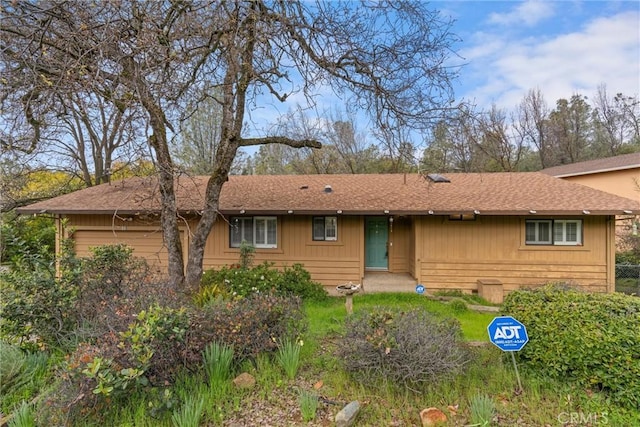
508, 334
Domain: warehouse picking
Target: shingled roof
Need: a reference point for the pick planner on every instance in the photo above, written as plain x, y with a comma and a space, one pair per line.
490, 194
608, 164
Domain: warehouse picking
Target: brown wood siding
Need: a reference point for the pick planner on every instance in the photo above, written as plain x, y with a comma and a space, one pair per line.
400, 249
454, 255
439, 253
146, 244
330, 263
142, 234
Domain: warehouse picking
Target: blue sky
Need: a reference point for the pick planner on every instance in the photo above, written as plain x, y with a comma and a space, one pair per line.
509, 47
560, 47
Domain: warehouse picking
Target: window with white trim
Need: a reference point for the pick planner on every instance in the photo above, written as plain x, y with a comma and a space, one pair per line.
325, 228
561, 232
567, 232
258, 231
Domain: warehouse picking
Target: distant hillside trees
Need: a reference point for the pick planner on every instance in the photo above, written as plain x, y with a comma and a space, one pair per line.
530, 137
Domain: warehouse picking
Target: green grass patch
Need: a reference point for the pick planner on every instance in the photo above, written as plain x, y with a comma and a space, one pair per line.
484, 394
328, 316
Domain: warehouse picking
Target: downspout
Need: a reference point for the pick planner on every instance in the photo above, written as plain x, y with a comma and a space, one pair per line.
418, 225
58, 240
611, 253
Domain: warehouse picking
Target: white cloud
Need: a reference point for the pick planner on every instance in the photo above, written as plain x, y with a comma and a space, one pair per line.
605, 50
529, 13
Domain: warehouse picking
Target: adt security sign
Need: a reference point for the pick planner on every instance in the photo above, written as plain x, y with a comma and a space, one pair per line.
507, 333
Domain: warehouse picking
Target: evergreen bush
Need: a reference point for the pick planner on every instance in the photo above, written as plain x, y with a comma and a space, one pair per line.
590, 338
237, 281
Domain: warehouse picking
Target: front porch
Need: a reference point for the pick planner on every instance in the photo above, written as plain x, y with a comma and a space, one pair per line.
383, 281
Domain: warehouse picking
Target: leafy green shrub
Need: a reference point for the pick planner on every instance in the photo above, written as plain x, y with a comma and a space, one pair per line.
263, 278
110, 267
150, 351
209, 294
628, 258
37, 310
409, 348
103, 293
110, 281
247, 252
250, 325
295, 280
591, 338
26, 241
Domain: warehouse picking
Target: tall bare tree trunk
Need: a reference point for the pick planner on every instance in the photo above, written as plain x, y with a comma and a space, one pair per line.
225, 156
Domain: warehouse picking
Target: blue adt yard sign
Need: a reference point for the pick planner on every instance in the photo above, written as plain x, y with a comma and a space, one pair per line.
507, 333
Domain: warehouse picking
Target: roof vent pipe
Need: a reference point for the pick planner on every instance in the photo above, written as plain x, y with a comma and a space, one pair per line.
328, 189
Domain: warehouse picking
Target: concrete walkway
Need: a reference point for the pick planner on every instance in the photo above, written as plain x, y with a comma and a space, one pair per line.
383, 281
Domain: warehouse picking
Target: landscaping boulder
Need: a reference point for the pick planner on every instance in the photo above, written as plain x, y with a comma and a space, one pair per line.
244, 380
432, 417
347, 416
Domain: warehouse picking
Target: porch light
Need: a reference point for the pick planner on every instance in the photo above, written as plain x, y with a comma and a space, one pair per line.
477, 212
586, 212
430, 212
627, 212
289, 211
386, 211
242, 211
339, 211
533, 211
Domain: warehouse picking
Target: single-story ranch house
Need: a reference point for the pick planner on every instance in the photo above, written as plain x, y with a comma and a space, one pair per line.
457, 231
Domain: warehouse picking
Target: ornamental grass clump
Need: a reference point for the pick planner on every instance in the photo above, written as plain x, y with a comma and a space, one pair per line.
288, 356
217, 358
410, 348
308, 405
24, 416
482, 409
190, 413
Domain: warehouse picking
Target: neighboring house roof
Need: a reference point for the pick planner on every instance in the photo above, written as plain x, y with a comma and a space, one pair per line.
488, 193
625, 161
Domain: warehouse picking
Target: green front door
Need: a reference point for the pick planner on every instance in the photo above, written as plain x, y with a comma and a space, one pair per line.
376, 236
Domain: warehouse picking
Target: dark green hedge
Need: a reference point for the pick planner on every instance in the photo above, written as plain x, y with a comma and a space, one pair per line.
591, 338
